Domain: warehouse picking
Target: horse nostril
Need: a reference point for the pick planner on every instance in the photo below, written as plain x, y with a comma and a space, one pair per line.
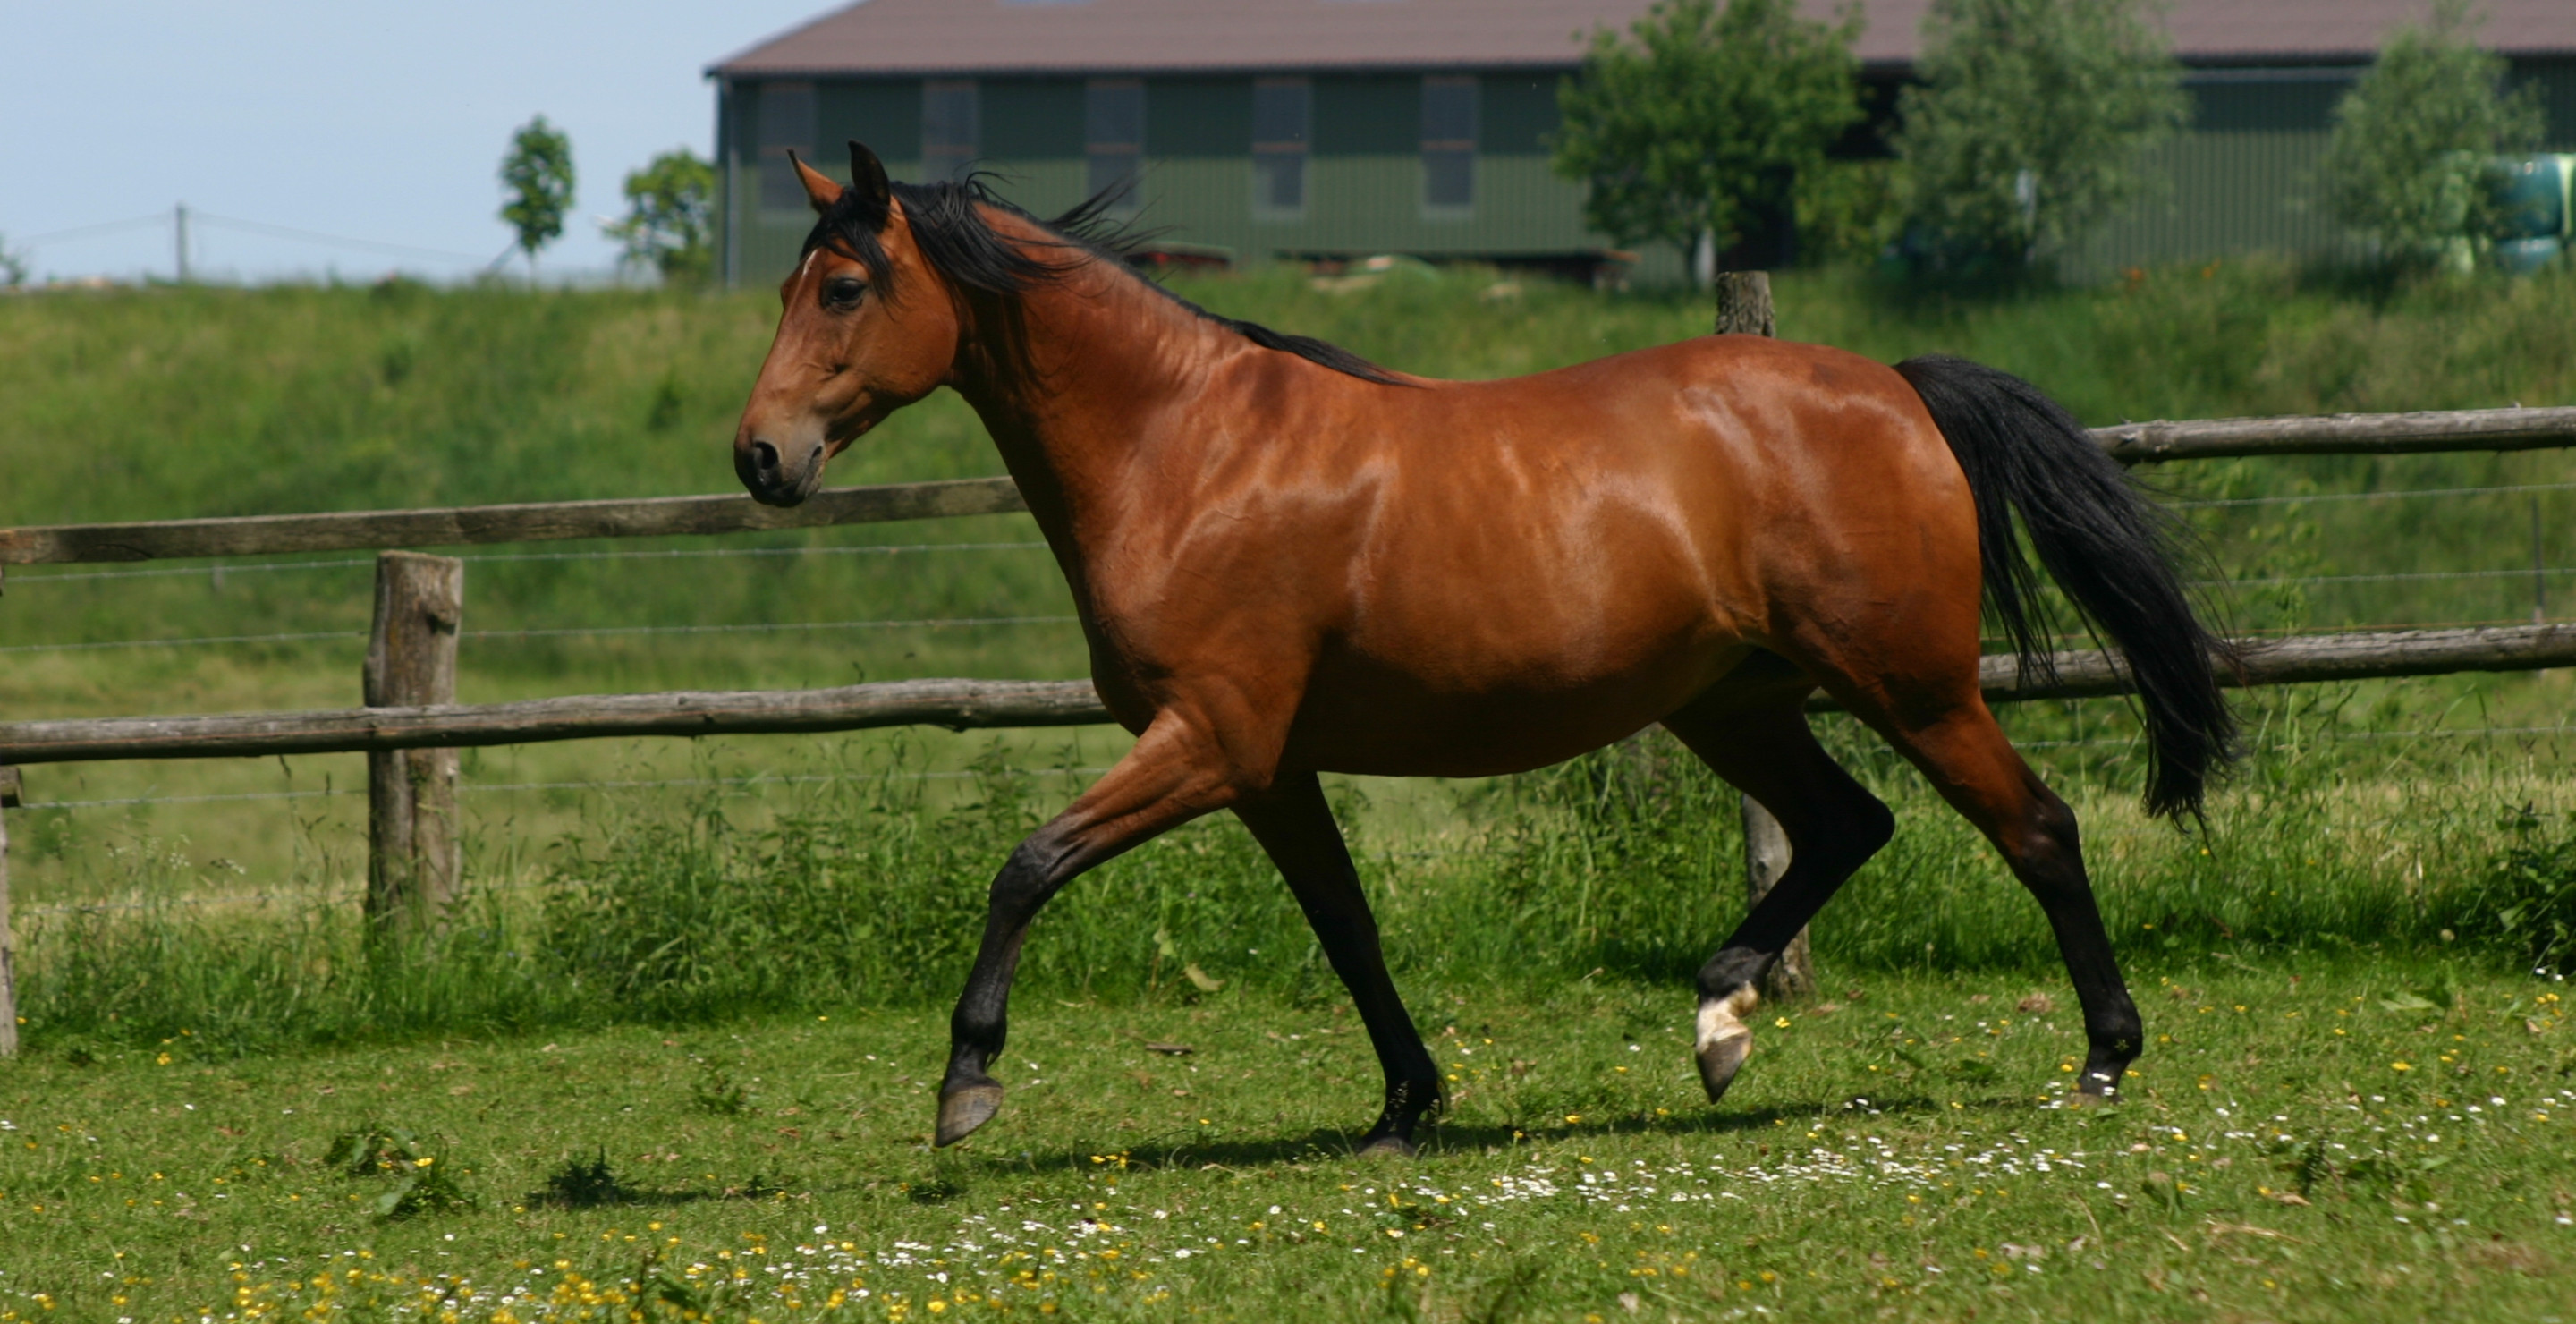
764, 457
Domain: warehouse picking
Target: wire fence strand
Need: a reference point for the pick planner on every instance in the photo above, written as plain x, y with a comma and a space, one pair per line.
753, 780
2306, 498
220, 569
564, 632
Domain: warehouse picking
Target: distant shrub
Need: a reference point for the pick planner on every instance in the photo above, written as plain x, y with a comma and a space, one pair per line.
2032, 122
2413, 158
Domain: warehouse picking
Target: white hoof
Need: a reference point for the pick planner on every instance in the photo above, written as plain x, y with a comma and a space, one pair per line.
1724, 1040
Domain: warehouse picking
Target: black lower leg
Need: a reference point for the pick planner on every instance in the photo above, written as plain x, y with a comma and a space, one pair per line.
1824, 853
2051, 865
1295, 825
979, 1027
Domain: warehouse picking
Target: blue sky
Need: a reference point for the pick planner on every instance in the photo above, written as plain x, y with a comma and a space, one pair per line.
352, 118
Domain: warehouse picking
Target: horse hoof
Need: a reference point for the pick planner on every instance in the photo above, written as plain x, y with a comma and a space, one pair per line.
963, 1110
1388, 1147
1719, 1061
2095, 1088
1723, 1040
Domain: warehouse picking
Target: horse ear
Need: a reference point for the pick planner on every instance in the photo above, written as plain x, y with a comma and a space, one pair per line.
820, 191
868, 177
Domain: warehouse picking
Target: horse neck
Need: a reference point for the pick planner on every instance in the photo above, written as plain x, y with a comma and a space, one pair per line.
1099, 356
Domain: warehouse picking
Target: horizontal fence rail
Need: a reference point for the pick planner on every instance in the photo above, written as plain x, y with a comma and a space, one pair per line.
990, 704
653, 517
2342, 434
267, 535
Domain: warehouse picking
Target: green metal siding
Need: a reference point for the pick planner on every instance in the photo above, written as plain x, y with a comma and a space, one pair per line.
2556, 80
1199, 117
2221, 195
1518, 115
1364, 184
1375, 116
2241, 180
1028, 119
885, 115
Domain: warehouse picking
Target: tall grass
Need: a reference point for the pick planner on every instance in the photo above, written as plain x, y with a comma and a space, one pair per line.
1624, 864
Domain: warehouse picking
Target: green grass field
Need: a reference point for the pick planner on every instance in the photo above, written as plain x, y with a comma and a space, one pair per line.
2307, 1140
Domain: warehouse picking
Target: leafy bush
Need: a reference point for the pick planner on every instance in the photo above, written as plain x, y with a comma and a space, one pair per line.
2031, 122
1694, 128
2529, 902
2413, 157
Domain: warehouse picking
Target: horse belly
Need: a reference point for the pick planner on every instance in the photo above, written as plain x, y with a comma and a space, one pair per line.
1376, 716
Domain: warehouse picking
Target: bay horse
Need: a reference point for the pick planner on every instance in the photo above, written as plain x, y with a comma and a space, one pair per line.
1287, 560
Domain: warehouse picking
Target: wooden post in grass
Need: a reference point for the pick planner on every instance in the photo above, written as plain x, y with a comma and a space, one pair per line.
8, 945
1744, 308
412, 838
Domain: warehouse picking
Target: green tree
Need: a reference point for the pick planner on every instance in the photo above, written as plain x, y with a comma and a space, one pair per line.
1703, 118
13, 265
2413, 161
2032, 122
537, 177
670, 220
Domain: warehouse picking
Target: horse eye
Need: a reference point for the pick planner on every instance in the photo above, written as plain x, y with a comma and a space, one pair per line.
844, 292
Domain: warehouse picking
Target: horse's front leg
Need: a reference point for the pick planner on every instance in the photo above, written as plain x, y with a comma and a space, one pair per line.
1173, 774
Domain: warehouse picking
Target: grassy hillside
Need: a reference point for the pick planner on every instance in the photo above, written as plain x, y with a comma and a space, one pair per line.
160, 403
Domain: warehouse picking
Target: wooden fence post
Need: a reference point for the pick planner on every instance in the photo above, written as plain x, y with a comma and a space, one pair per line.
412, 837
8, 944
1744, 308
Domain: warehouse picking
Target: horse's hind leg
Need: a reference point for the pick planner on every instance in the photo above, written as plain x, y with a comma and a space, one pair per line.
1752, 730
1966, 757
1295, 825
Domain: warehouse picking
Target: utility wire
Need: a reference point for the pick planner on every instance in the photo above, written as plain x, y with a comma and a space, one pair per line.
317, 237
104, 227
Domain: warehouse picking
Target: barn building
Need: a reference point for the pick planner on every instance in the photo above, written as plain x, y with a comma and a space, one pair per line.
1257, 130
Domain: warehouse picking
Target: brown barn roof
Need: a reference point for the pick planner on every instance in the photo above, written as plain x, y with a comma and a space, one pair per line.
1067, 36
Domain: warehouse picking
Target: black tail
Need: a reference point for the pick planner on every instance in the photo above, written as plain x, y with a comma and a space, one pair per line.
2106, 547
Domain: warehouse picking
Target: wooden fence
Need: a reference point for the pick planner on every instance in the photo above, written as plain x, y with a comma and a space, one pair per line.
412, 647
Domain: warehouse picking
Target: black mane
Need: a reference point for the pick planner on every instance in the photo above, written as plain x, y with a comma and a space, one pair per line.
948, 224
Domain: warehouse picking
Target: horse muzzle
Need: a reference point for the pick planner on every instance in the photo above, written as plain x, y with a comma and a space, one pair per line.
779, 474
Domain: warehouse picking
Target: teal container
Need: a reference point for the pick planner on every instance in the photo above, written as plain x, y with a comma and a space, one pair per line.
2535, 198
2524, 256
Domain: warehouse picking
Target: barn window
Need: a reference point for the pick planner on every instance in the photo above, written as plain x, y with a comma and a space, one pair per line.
1282, 112
786, 123
949, 129
1448, 144
1113, 115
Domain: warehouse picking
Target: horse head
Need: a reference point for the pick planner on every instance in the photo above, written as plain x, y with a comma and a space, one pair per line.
865, 327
